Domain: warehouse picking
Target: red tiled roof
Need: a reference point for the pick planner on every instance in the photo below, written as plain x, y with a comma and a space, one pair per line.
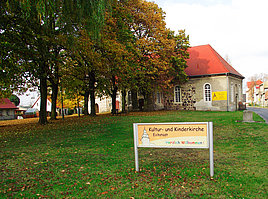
258, 82
204, 60
252, 83
5, 103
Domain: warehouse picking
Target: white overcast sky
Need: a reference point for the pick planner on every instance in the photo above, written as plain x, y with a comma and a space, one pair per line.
234, 28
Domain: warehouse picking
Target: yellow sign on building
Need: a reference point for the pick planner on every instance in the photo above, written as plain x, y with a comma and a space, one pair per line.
219, 95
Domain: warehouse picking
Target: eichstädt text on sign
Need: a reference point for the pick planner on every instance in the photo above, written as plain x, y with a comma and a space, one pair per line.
175, 135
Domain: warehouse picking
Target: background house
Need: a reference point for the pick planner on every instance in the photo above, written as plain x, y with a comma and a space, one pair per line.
104, 104
36, 105
213, 84
257, 93
7, 109
253, 92
28, 99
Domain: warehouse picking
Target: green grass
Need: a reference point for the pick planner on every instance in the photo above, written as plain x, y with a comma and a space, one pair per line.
94, 158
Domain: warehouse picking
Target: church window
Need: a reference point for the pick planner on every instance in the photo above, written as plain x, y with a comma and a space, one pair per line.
177, 94
207, 92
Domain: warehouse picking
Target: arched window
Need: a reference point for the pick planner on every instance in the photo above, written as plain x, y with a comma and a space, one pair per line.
207, 92
177, 94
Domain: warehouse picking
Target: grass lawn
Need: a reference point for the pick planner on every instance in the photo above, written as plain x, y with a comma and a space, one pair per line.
94, 158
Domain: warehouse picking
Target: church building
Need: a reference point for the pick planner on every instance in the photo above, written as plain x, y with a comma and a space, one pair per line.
213, 84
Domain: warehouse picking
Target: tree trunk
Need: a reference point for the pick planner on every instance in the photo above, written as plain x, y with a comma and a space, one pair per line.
43, 97
62, 108
92, 102
134, 99
54, 96
54, 80
78, 110
114, 91
124, 93
149, 102
86, 96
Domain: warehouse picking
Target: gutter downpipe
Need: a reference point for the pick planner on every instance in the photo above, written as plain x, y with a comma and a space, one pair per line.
227, 92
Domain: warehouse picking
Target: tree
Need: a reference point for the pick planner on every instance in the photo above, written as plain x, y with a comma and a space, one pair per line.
227, 58
178, 58
153, 49
14, 98
116, 48
261, 76
36, 23
84, 70
14, 52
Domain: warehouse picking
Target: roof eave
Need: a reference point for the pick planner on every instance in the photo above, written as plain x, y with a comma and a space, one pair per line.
217, 74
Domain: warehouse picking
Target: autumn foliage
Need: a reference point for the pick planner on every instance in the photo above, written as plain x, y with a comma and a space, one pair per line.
91, 49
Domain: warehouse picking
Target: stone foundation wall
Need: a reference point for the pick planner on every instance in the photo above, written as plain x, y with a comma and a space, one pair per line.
188, 99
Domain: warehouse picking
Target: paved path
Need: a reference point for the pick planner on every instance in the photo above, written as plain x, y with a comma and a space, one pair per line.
263, 112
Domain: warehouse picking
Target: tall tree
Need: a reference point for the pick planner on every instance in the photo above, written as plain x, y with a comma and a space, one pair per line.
85, 69
116, 49
152, 47
42, 19
178, 58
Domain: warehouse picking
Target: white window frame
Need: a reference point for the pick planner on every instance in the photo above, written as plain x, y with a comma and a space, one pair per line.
175, 94
209, 92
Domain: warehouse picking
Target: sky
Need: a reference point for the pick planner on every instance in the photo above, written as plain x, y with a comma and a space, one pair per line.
236, 29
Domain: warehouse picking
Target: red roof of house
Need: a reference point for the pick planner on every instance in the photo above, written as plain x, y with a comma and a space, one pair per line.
252, 83
204, 60
5, 103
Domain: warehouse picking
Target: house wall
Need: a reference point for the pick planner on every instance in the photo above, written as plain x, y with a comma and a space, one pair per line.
192, 95
218, 83
104, 104
235, 95
38, 102
7, 114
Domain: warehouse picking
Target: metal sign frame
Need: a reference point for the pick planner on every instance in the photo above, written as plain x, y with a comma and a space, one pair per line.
209, 141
